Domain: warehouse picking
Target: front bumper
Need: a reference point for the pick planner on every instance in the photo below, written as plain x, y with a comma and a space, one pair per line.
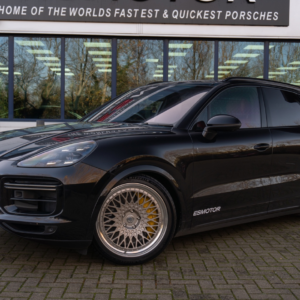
70, 223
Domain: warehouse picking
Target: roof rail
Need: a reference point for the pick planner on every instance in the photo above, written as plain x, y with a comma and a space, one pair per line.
258, 80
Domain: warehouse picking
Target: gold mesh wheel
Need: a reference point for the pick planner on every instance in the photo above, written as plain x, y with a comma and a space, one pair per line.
132, 220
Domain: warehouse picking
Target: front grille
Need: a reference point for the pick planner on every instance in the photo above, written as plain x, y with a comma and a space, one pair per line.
30, 196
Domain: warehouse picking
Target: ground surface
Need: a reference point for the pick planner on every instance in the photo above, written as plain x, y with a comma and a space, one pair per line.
254, 261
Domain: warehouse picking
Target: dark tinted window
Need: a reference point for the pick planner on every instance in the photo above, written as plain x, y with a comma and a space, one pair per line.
283, 108
240, 102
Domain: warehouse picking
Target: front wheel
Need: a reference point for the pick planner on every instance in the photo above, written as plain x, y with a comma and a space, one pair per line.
136, 221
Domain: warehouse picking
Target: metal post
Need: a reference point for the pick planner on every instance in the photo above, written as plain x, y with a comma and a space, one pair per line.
166, 60
11, 78
114, 68
266, 60
216, 61
62, 91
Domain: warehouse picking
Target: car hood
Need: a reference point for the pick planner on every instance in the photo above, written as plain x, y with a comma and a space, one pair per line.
15, 144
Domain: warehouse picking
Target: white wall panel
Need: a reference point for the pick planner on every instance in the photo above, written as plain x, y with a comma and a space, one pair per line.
157, 30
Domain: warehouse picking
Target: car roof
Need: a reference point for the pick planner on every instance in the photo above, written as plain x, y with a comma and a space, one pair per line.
241, 80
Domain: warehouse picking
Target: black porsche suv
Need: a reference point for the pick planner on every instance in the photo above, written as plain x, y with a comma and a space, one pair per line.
163, 160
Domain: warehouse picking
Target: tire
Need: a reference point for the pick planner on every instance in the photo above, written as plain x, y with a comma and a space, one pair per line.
136, 221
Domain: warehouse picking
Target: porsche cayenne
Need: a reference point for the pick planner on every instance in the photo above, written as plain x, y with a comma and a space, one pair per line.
159, 161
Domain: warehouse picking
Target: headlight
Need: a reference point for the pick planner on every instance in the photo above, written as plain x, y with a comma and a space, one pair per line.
60, 157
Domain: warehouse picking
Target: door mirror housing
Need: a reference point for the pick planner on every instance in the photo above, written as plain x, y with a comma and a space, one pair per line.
220, 123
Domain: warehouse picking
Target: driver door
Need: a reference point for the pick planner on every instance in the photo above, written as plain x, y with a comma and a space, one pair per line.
231, 171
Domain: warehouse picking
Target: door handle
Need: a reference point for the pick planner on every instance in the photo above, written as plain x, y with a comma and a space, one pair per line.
262, 147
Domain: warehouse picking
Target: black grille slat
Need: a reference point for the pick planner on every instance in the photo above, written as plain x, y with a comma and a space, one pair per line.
30, 187
33, 200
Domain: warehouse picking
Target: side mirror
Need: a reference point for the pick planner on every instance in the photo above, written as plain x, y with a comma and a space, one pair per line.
220, 123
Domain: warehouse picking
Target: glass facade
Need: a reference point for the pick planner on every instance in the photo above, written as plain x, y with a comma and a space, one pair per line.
242, 59
64, 78
285, 62
139, 62
88, 66
37, 78
4, 72
191, 60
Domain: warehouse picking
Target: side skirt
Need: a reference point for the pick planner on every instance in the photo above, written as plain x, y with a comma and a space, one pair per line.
240, 220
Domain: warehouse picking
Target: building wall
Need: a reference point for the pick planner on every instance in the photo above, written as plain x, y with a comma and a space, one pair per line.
150, 30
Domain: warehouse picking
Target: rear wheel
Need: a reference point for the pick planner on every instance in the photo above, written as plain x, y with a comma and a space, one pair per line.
135, 222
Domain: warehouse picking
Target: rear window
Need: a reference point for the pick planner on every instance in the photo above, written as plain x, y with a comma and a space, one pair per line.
283, 107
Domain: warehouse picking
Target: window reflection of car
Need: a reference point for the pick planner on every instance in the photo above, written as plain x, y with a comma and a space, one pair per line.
163, 160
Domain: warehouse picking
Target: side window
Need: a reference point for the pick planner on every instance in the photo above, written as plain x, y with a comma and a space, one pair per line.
240, 102
283, 108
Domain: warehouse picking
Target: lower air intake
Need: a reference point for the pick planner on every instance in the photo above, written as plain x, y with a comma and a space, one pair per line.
29, 196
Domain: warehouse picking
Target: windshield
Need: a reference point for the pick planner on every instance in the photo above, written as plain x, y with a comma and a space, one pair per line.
151, 104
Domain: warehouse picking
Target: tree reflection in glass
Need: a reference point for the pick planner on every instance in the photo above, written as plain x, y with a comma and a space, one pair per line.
242, 59
139, 62
285, 62
87, 75
191, 60
37, 80
4, 77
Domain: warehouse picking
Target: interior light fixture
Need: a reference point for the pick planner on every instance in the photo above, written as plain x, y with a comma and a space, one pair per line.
104, 70
177, 53
59, 69
288, 68
39, 51
159, 66
159, 71
209, 76
103, 65
66, 74
52, 64
239, 62
246, 55
102, 59
271, 77
295, 63
15, 73
152, 60
257, 47
182, 46
296, 83
277, 73
228, 67
172, 66
95, 44
158, 75
3, 68
100, 52
47, 58
260, 77
30, 43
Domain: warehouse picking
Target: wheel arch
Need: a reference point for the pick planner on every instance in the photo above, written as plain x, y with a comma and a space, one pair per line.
157, 173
